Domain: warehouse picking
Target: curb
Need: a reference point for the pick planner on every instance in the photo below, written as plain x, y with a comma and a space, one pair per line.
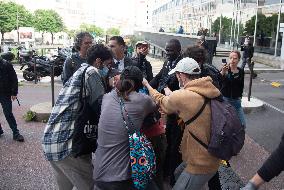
252, 106
42, 111
261, 70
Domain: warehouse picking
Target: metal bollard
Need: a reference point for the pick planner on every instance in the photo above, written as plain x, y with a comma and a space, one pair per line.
251, 65
52, 84
35, 70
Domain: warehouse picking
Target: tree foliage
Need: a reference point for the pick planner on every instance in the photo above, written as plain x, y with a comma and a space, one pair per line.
93, 29
226, 26
265, 24
71, 33
8, 17
113, 32
48, 21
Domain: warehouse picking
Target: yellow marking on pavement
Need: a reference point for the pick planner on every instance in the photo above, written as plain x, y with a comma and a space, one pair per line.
276, 84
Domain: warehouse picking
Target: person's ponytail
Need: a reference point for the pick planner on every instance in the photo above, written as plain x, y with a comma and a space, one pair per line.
125, 87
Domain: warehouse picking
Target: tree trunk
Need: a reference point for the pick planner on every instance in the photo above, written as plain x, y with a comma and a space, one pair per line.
51, 38
42, 38
2, 33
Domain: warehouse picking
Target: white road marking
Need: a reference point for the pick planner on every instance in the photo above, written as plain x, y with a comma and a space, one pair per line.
269, 105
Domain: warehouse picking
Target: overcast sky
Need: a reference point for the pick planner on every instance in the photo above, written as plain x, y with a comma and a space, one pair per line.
114, 8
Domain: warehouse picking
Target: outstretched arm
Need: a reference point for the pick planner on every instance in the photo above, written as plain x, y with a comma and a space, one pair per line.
164, 102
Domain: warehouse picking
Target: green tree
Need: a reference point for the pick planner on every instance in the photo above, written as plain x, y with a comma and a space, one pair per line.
172, 30
266, 25
71, 33
225, 29
48, 21
113, 32
93, 29
8, 17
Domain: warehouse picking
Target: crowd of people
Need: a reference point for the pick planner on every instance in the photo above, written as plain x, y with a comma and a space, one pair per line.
114, 99
127, 98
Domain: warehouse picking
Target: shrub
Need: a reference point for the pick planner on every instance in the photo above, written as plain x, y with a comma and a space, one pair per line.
30, 116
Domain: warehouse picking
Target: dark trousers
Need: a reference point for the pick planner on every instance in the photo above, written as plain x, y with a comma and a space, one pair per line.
173, 155
126, 184
159, 144
121, 185
6, 103
214, 182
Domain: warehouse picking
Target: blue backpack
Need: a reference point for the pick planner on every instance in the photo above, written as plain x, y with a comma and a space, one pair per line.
142, 156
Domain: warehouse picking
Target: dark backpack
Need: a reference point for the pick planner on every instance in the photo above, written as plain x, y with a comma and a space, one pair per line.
84, 139
214, 73
227, 133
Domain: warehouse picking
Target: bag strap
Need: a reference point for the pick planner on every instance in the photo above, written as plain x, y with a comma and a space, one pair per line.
83, 86
122, 108
198, 113
198, 140
194, 118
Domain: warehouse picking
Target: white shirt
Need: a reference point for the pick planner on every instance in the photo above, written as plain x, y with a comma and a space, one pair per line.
121, 64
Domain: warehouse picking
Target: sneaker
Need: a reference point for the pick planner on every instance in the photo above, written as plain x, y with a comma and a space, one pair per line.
18, 137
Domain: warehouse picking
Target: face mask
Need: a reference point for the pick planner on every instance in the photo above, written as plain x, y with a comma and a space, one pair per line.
104, 71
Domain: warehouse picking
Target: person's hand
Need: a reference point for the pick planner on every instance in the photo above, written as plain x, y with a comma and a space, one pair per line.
145, 82
161, 111
225, 69
13, 98
167, 91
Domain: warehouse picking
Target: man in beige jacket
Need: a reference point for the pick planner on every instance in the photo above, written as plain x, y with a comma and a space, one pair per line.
198, 165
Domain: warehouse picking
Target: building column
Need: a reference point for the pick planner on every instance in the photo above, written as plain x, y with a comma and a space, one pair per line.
277, 33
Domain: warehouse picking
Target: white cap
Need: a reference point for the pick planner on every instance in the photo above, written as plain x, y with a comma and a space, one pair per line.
187, 65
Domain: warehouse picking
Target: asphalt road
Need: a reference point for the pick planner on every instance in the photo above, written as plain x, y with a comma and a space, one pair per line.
267, 126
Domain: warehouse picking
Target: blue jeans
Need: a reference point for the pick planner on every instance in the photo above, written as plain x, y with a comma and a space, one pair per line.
238, 106
6, 103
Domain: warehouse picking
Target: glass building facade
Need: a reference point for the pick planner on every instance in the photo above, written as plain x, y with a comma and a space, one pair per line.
229, 20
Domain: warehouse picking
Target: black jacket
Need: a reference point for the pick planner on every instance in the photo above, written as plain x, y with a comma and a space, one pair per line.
127, 62
213, 72
248, 51
233, 84
160, 78
144, 65
274, 165
71, 65
8, 79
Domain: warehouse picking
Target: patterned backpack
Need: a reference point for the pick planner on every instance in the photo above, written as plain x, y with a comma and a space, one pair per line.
142, 156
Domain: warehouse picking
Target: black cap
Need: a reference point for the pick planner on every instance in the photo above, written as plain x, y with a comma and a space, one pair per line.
133, 73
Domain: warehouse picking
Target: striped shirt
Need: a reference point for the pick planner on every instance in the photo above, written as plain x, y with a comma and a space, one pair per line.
57, 139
